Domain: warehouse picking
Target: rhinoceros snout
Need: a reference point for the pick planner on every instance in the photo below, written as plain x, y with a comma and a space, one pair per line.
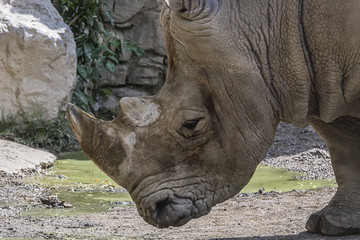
172, 211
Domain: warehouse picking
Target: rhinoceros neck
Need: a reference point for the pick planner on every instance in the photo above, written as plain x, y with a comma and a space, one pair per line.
274, 36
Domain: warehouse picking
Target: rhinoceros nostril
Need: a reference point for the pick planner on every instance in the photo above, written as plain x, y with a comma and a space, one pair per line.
160, 206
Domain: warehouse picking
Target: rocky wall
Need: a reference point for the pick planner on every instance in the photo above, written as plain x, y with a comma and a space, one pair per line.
137, 21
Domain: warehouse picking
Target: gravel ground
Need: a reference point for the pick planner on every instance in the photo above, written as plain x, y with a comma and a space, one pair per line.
300, 151
268, 216
255, 216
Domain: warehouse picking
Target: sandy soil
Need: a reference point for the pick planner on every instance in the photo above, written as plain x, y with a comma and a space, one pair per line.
265, 216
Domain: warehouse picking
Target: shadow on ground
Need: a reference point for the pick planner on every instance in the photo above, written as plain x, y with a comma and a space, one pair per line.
290, 140
300, 236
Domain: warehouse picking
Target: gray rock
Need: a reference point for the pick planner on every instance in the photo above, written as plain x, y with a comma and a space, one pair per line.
149, 72
122, 11
112, 103
37, 58
115, 79
16, 158
136, 21
149, 34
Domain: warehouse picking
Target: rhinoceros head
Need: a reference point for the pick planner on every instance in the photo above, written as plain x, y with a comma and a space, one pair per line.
198, 141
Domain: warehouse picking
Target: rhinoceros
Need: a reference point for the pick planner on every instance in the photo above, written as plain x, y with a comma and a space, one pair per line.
236, 68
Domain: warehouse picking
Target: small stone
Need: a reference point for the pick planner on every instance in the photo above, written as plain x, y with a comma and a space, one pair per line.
67, 205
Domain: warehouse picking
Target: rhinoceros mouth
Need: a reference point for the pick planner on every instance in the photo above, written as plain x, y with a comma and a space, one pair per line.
174, 212
170, 211
164, 203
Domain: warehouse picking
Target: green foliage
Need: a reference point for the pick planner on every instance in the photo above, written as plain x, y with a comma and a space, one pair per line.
98, 50
32, 130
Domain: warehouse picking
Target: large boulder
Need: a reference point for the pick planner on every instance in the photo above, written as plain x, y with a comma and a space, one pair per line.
17, 158
37, 58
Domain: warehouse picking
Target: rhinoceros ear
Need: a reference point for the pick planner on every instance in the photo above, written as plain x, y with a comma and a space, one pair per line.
193, 9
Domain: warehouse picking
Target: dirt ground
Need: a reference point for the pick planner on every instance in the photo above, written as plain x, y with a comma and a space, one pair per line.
268, 216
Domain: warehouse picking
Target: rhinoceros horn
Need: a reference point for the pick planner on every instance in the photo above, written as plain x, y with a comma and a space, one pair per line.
110, 143
140, 111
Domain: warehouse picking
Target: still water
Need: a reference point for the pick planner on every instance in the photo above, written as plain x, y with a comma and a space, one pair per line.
76, 180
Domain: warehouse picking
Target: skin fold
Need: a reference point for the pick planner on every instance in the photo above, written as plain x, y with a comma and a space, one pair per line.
236, 69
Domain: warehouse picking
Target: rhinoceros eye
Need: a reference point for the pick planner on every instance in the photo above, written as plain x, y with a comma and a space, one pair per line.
191, 127
191, 124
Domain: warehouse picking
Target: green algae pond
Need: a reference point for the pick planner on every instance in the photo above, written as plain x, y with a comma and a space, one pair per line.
275, 179
75, 179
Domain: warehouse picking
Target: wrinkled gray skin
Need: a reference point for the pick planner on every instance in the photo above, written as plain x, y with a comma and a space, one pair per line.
236, 69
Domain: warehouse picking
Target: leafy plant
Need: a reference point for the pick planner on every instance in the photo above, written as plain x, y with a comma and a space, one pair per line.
98, 50
32, 130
